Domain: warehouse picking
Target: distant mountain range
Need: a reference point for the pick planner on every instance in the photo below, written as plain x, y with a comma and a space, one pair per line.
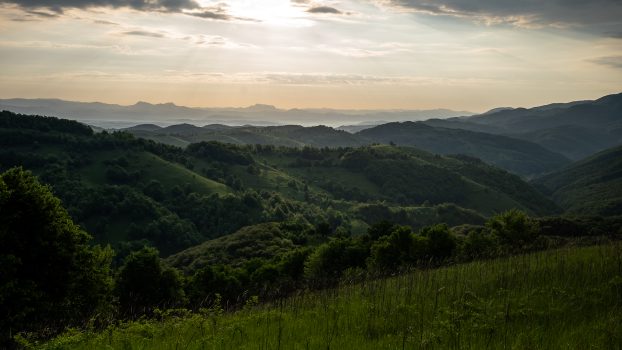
117, 116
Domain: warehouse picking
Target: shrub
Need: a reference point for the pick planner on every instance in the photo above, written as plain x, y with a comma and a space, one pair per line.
441, 242
514, 229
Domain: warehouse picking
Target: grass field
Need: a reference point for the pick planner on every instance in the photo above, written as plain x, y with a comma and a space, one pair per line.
563, 299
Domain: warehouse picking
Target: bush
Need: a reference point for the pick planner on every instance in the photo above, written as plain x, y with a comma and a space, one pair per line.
441, 242
479, 244
400, 248
330, 259
514, 229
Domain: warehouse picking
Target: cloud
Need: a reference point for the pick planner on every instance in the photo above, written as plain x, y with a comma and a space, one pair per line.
211, 15
108, 23
609, 61
188, 7
43, 14
553, 13
324, 9
143, 33
314, 7
142, 5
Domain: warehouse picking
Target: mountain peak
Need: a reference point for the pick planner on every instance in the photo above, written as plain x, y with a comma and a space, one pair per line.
142, 104
167, 104
258, 107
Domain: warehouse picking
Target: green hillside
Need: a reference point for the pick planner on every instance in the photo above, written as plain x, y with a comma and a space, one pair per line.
130, 192
574, 142
124, 189
562, 299
576, 129
407, 176
590, 186
517, 156
288, 135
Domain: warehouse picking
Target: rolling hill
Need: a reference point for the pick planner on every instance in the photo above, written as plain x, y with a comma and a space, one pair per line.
408, 176
517, 156
126, 190
576, 129
591, 186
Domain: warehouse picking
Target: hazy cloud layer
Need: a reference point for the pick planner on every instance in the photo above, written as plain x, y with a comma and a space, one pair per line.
267, 78
521, 12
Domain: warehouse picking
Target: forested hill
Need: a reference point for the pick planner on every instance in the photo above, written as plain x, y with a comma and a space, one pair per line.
187, 233
591, 186
130, 191
577, 129
517, 156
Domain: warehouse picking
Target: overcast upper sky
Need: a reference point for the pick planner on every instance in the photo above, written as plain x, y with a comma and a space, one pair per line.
384, 54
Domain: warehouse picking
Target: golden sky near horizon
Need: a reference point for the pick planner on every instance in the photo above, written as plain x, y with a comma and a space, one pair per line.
369, 54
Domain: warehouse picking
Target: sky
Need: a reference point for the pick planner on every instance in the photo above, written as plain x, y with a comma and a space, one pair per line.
368, 54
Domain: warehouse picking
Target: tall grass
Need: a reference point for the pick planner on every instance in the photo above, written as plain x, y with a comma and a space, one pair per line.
564, 299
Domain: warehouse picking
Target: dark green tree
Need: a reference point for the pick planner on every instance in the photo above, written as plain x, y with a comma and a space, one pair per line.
207, 282
379, 229
330, 259
50, 277
400, 248
441, 243
143, 284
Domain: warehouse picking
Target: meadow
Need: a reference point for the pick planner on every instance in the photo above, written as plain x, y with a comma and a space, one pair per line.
569, 298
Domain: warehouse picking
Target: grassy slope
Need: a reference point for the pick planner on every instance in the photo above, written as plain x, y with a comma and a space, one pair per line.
564, 299
481, 187
591, 186
151, 167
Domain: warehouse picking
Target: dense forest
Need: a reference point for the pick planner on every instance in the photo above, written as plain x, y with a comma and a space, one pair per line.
103, 228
